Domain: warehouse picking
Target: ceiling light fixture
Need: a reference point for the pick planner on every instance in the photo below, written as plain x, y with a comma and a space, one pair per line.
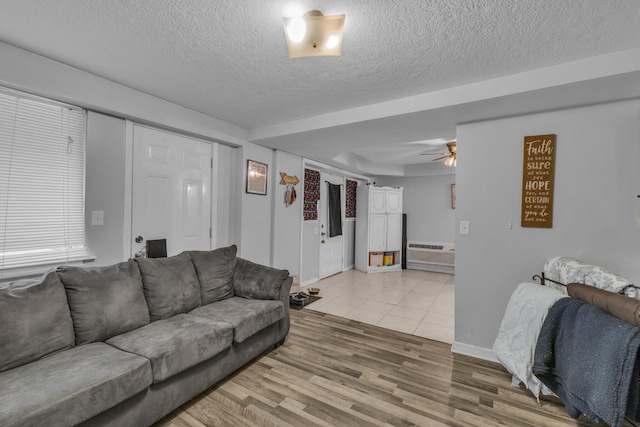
314, 34
452, 159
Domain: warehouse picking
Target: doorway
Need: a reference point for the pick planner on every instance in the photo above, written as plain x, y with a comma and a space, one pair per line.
171, 191
331, 248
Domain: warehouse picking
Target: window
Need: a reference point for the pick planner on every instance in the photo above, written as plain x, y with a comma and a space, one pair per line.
42, 161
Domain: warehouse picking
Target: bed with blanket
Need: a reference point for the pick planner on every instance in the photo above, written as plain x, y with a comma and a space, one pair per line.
577, 337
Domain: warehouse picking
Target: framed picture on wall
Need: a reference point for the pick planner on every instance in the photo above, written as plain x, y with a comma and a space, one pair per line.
453, 196
256, 178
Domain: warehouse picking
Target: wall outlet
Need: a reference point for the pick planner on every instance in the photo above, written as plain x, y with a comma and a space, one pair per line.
464, 227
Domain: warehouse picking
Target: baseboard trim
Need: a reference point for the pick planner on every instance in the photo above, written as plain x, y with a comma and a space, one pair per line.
310, 281
474, 351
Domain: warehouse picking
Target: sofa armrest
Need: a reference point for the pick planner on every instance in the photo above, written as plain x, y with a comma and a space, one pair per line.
285, 290
251, 280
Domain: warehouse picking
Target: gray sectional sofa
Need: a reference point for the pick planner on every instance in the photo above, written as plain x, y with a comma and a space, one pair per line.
126, 344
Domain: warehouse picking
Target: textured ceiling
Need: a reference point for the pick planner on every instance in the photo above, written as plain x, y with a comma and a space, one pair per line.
228, 59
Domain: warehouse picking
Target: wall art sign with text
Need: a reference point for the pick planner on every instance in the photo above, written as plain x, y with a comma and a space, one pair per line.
538, 169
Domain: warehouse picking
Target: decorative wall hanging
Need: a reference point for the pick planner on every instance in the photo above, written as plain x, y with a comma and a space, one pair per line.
290, 192
256, 177
286, 179
538, 168
311, 194
289, 195
351, 188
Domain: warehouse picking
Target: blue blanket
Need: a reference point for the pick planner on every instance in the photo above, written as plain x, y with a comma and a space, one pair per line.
588, 358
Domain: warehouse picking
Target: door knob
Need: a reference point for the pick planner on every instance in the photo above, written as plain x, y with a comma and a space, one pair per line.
139, 239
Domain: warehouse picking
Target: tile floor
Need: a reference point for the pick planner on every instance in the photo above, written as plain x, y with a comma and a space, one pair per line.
412, 301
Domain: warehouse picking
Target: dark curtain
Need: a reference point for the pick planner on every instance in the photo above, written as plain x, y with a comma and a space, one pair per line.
335, 216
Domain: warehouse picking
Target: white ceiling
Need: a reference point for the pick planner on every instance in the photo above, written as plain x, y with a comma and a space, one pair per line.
410, 70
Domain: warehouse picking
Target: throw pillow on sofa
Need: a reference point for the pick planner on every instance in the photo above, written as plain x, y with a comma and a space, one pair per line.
104, 301
35, 320
215, 272
170, 285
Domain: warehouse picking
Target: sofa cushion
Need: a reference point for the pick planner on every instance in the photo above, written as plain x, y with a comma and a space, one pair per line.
104, 301
251, 280
177, 343
35, 320
215, 272
170, 285
247, 316
71, 386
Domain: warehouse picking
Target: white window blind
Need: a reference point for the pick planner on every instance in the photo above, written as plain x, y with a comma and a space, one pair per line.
42, 165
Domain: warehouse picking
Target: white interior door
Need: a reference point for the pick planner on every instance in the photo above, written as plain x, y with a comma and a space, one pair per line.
332, 248
171, 191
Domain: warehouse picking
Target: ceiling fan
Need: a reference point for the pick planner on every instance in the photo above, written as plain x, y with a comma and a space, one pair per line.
451, 156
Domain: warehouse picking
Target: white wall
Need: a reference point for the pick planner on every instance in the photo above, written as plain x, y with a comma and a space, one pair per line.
427, 203
226, 197
251, 214
310, 267
287, 220
106, 191
310, 246
349, 239
36, 74
597, 180
255, 230
105, 187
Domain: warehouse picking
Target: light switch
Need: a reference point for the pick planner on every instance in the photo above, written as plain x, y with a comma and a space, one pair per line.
464, 227
97, 217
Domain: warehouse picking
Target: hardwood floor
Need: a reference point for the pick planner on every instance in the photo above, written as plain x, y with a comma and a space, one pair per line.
333, 371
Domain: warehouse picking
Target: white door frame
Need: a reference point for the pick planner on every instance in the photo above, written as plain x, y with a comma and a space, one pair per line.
320, 167
127, 238
323, 220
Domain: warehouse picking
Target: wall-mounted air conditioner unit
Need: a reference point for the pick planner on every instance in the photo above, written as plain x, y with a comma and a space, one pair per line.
431, 256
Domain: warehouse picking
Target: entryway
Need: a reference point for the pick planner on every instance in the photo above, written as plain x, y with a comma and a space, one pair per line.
320, 259
331, 248
171, 196
411, 301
